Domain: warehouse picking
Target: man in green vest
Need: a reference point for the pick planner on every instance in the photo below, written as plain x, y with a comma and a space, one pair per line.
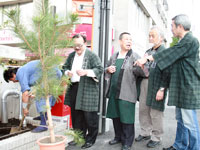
184, 85
121, 75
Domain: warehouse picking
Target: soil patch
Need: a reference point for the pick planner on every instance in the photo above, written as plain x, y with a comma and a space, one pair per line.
48, 140
6, 127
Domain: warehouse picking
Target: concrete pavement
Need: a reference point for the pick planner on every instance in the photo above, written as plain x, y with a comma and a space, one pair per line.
168, 138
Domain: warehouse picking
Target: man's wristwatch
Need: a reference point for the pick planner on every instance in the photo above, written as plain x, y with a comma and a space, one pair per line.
162, 89
24, 105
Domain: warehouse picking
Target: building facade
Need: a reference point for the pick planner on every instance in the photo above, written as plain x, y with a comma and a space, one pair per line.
137, 17
101, 20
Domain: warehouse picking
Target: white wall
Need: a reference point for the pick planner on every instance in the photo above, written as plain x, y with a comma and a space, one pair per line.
120, 20
129, 17
139, 27
190, 8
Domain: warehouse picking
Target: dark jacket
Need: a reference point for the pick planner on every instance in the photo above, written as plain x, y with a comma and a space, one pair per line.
126, 89
88, 90
184, 86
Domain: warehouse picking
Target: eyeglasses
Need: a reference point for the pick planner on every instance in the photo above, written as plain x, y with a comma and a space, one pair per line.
78, 46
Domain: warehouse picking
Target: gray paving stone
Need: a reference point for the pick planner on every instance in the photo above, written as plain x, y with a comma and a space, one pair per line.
168, 138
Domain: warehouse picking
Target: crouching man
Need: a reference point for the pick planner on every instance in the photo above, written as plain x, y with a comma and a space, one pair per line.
27, 76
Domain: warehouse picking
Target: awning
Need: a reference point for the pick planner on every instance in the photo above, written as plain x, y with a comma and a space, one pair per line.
12, 52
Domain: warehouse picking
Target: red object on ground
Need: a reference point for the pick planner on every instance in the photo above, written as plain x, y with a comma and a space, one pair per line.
61, 110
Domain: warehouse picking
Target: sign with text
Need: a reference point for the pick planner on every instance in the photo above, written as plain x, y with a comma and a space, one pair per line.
8, 37
84, 8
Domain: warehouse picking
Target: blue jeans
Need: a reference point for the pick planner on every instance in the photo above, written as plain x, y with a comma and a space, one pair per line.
41, 104
187, 133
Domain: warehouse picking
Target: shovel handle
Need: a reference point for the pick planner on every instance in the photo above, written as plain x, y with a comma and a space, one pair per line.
21, 122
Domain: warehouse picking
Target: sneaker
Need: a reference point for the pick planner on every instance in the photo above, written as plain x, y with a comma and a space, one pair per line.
142, 138
152, 144
39, 129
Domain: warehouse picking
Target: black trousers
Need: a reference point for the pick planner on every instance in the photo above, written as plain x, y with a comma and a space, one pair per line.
124, 132
87, 122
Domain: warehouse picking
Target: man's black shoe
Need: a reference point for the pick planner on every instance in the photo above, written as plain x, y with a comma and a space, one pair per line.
141, 138
114, 141
72, 143
152, 144
169, 148
86, 145
126, 147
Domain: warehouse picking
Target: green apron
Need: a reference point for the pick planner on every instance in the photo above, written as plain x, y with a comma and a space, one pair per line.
118, 108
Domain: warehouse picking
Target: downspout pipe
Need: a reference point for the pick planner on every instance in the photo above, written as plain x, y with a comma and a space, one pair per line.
104, 44
106, 50
4, 110
101, 55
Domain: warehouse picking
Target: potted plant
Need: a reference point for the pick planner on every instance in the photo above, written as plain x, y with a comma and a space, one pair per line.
47, 34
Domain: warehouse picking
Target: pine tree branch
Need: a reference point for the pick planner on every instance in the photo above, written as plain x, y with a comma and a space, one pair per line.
52, 38
43, 7
21, 34
39, 47
61, 32
44, 42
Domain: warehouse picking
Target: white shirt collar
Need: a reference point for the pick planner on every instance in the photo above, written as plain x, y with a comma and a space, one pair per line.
82, 55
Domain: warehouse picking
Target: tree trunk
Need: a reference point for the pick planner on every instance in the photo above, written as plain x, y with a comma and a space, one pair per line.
50, 122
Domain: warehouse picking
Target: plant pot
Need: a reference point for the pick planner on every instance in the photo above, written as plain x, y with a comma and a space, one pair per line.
45, 144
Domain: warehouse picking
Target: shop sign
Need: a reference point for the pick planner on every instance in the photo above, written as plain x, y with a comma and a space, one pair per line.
8, 37
84, 29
